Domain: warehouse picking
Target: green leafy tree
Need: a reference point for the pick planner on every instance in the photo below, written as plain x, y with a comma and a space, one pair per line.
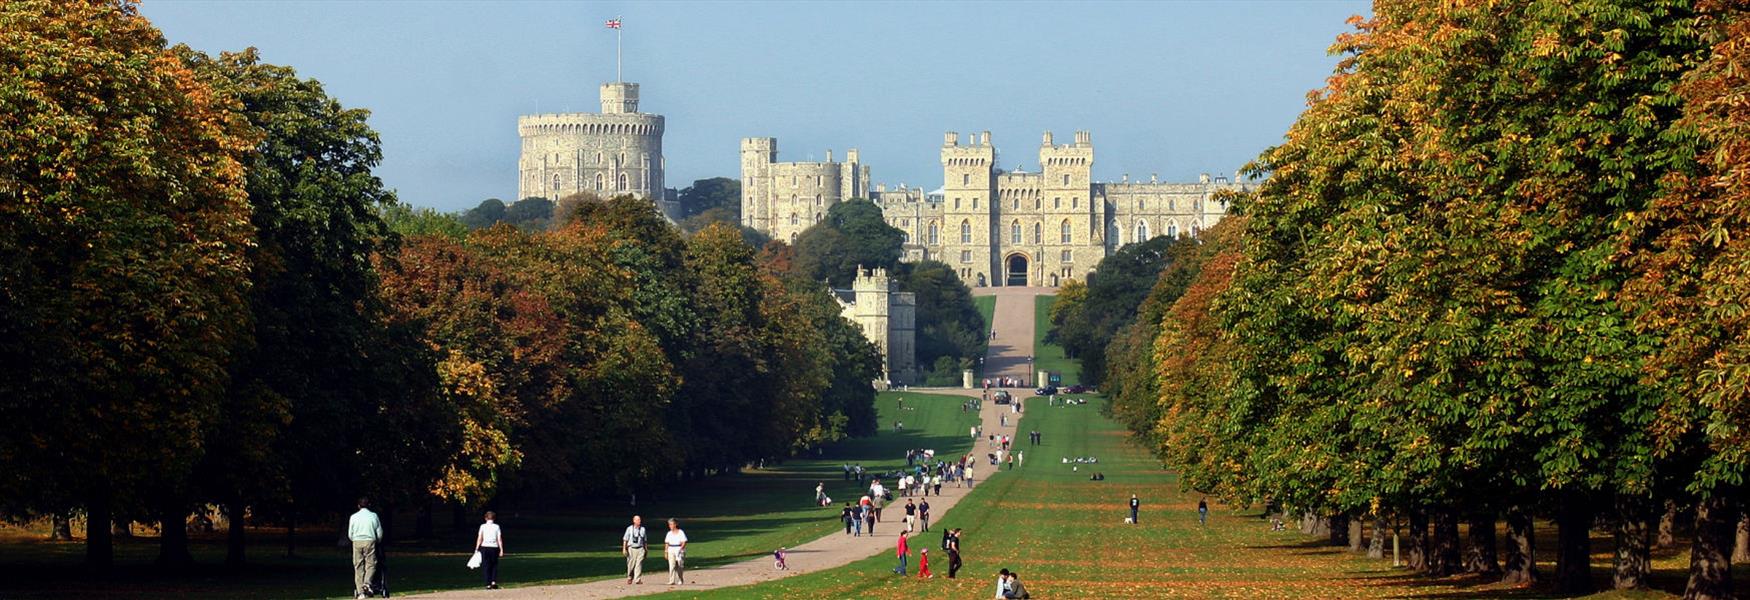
486, 214
853, 235
1115, 289
126, 229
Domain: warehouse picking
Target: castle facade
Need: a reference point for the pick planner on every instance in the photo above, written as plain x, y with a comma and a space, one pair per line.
997, 227
780, 199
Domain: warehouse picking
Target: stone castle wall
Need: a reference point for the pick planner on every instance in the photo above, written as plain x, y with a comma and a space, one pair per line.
780, 199
617, 151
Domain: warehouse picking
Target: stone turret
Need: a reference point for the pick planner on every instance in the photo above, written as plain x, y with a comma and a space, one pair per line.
617, 151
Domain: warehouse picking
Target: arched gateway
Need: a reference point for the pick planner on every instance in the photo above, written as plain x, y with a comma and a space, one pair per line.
1017, 270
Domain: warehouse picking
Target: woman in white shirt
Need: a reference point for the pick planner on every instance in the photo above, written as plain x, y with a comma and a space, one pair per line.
490, 544
675, 548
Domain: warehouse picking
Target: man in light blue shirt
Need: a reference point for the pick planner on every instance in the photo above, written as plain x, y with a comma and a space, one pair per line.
365, 530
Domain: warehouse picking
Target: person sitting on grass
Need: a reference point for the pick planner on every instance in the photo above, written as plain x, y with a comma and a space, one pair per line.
1016, 590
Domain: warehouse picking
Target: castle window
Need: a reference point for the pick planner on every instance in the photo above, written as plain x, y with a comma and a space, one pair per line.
1038, 232
1173, 230
555, 181
1195, 230
1015, 204
622, 182
965, 256
1066, 180
1172, 205
975, 203
933, 232
792, 218
965, 179
965, 232
1063, 232
956, 203
1073, 202
1057, 202
1141, 230
1036, 202
794, 181
816, 181
817, 199
598, 158
1066, 256
904, 238
1197, 206
1015, 232
600, 183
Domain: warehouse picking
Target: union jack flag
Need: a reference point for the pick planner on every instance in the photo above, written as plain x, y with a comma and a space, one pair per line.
613, 23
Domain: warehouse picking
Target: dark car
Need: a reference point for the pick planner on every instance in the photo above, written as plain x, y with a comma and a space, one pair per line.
1076, 389
1046, 391
1001, 397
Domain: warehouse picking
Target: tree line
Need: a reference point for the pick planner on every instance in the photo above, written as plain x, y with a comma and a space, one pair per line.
1497, 272
208, 298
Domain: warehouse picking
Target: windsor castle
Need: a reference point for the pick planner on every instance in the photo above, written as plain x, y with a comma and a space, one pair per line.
995, 227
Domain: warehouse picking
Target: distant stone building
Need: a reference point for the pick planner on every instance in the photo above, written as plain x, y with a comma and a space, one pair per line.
1019, 228
617, 151
887, 318
780, 199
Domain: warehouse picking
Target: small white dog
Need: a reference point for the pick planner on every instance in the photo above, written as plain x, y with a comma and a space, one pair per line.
1126, 520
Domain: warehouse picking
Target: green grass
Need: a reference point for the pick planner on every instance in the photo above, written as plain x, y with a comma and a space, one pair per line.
1065, 535
1049, 357
728, 518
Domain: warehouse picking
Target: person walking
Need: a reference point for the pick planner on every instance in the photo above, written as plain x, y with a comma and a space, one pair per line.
364, 529
820, 494
911, 514
1202, 511
969, 475
924, 513
1011, 460
924, 564
847, 517
675, 549
634, 544
1134, 505
869, 517
489, 542
903, 550
953, 553
857, 519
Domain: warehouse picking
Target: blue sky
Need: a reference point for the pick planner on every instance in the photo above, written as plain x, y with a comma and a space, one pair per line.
1175, 88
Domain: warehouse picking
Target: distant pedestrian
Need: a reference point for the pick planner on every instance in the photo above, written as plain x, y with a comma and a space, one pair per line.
857, 519
820, 494
634, 544
1011, 460
1021, 458
953, 553
489, 542
675, 549
1202, 511
848, 517
869, 517
903, 550
924, 510
969, 476
1134, 505
364, 530
911, 514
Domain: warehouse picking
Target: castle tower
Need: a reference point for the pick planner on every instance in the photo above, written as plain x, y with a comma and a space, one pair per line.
617, 151
888, 319
1067, 187
757, 156
968, 191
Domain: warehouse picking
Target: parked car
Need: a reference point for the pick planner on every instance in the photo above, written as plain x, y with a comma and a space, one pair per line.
1046, 391
1001, 397
1076, 389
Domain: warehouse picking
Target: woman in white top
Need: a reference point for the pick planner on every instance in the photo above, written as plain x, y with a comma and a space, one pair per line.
675, 548
490, 544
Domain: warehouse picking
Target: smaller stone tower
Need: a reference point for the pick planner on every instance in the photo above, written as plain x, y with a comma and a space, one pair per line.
619, 98
888, 319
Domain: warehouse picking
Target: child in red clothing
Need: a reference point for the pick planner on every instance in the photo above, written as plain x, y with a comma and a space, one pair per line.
924, 564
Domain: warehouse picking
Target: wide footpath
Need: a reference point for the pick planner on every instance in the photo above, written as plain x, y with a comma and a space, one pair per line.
1009, 356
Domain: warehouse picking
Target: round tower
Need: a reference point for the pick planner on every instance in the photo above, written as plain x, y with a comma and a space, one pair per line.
617, 151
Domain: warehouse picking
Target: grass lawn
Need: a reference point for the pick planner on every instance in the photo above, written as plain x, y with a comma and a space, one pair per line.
1065, 535
729, 518
1049, 357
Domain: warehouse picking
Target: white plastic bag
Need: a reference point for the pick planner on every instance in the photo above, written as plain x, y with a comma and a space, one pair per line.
474, 561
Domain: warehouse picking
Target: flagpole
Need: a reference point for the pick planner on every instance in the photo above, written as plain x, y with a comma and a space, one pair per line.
617, 50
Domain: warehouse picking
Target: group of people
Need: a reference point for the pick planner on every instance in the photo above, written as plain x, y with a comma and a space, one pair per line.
1004, 382
950, 544
634, 545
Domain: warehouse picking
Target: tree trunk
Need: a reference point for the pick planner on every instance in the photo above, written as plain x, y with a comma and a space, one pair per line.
1444, 559
1376, 549
1741, 543
1312, 524
1356, 536
122, 528
1339, 529
1479, 553
1417, 540
234, 534
99, 545
173, 536
1574, 545
1521, 568
422, 527
1633, 559
1667, 527
61, 527
1710, 567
